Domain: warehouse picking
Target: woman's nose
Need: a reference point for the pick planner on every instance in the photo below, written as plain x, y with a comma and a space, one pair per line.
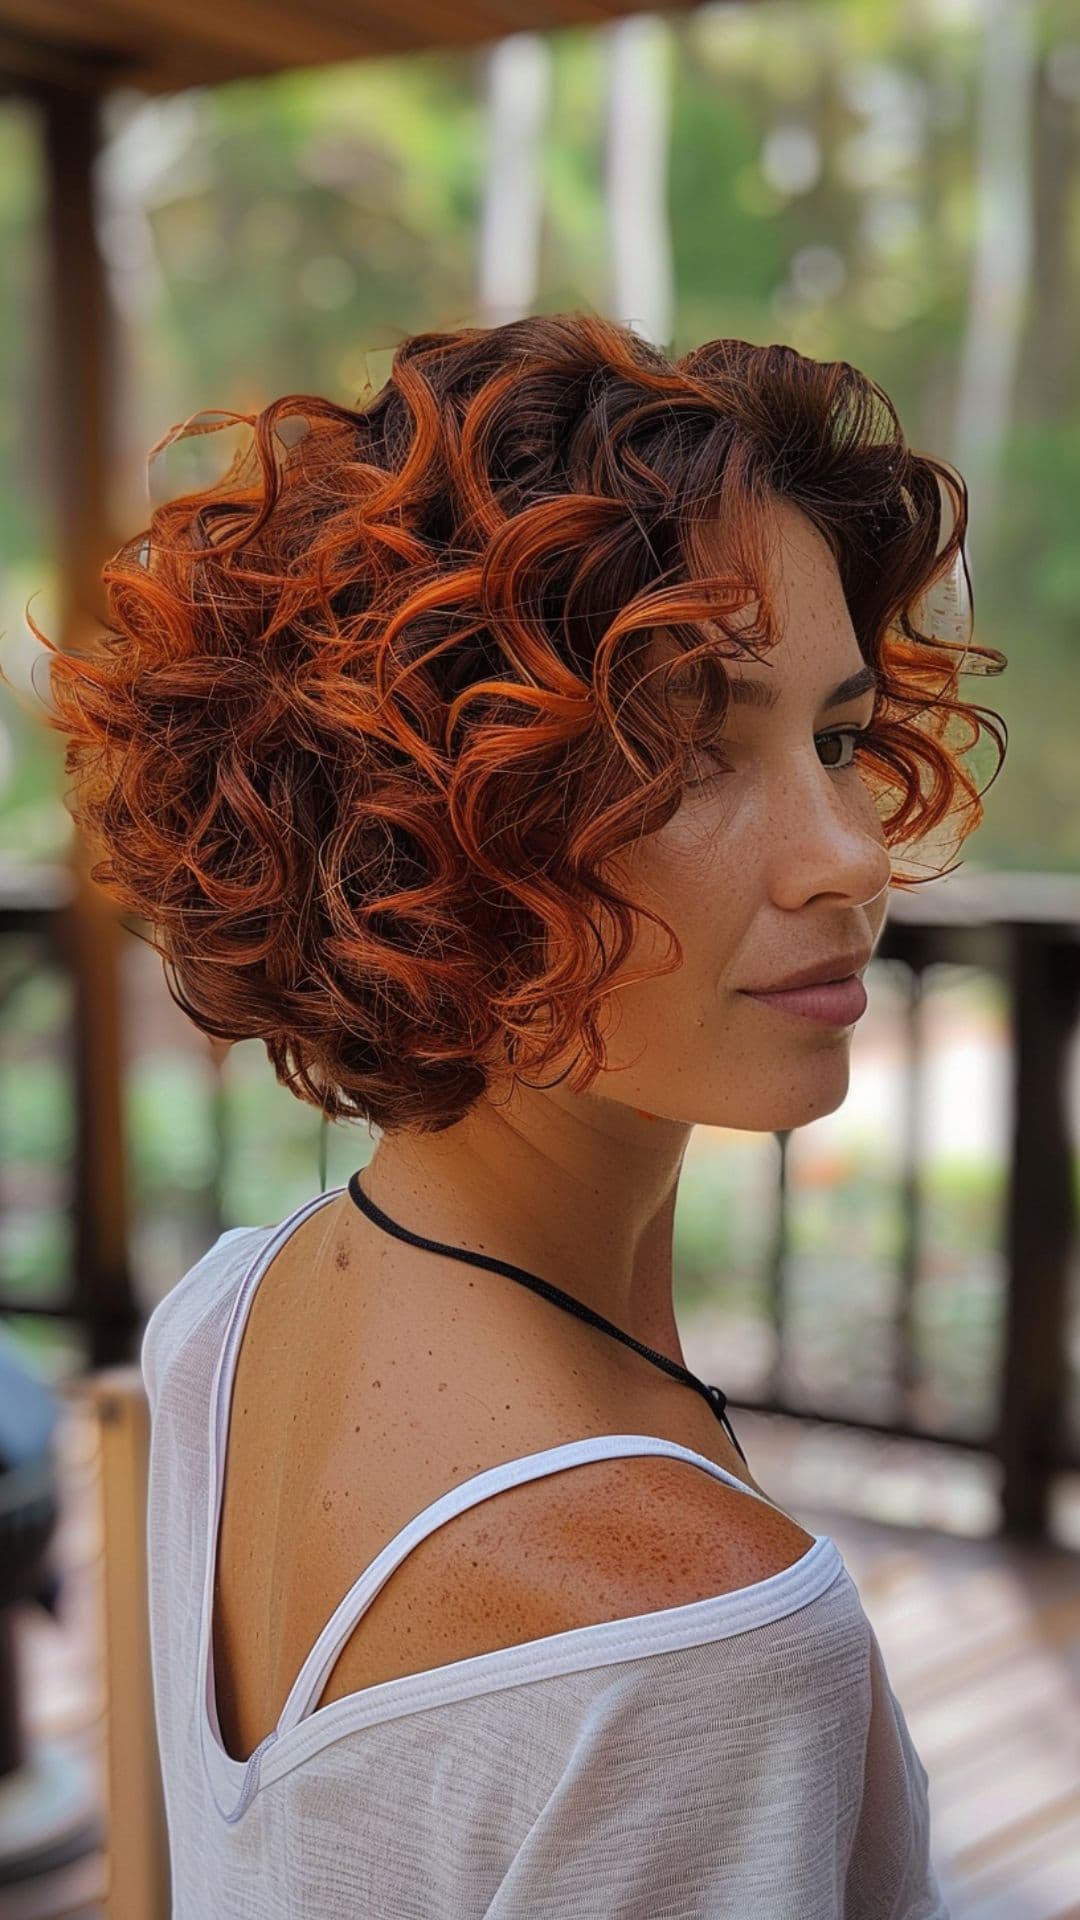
832, 843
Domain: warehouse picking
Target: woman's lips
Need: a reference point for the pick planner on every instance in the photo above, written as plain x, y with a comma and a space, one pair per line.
834, 1003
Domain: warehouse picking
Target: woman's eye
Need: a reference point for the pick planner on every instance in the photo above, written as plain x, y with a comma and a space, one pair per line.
854, 734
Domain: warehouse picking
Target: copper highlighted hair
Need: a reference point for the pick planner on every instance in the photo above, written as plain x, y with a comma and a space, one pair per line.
374, 711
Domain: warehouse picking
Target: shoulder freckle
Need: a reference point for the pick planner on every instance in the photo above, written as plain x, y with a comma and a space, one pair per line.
657, 1537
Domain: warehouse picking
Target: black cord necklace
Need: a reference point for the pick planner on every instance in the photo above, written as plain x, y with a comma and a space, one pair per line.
714, 1395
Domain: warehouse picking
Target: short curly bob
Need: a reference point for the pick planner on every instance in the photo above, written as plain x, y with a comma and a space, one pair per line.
374, 712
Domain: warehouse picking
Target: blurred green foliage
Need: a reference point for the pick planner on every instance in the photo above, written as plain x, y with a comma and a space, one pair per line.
282, 236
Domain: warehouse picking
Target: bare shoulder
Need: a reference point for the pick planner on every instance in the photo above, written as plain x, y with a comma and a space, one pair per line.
604, 1540
638, 1534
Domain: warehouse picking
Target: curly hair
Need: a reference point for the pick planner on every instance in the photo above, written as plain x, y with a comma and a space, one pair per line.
375, 710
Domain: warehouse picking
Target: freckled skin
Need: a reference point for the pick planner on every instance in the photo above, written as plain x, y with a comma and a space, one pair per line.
373, 1376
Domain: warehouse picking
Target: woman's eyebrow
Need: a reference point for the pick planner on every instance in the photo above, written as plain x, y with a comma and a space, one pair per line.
759, 693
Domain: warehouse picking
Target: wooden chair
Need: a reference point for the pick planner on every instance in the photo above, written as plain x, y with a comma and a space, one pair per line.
138, 1885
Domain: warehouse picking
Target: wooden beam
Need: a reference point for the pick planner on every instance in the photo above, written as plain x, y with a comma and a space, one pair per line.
27, 62
158, 46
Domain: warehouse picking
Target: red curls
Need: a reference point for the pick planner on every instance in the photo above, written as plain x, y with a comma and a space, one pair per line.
373, 712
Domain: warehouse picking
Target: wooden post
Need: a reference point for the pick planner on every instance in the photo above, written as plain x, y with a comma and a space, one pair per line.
1040, 1228
79, 369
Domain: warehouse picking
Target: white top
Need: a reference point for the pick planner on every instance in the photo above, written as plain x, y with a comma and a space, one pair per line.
743, 1755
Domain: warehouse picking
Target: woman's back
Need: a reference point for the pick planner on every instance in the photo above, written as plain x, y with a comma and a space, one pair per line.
634, 1687
347, 1419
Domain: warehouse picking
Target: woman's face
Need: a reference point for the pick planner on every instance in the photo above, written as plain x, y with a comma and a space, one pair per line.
775, 865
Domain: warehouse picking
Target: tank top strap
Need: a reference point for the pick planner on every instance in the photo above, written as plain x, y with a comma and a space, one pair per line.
310, 1681
221, 1386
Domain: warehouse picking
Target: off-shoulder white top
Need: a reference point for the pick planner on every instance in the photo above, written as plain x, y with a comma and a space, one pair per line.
742, 1757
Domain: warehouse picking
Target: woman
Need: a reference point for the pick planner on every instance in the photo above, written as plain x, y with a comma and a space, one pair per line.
414, 740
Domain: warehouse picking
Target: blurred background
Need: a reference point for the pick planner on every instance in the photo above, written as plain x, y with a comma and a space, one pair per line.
202, 208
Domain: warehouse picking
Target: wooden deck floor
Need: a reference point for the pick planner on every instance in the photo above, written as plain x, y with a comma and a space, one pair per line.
981, 1640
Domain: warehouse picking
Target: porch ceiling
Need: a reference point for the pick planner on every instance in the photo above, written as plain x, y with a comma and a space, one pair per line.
160, 45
